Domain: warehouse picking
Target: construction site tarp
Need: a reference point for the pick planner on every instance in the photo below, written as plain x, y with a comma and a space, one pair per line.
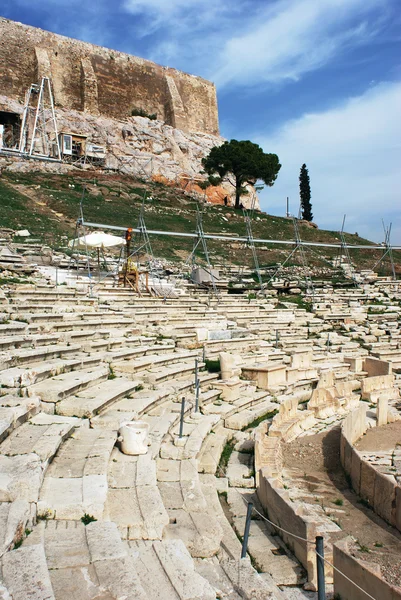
98, 239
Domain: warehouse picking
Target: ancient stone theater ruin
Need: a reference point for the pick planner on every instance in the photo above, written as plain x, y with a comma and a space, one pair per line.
169, 435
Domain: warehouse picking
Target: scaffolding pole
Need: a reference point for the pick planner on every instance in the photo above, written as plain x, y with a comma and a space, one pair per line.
388, 250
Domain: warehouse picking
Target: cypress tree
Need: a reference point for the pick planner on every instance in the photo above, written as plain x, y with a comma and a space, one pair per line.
305, 194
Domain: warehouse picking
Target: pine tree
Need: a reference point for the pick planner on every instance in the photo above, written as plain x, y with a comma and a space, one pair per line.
305, 194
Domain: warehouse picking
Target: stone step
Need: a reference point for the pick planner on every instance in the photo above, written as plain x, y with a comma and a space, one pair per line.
36, 372
133, 500
168, 566
12, 328
27, 341
191, 519
212, 448
137, 351
240, 472
195, 428
173, 372
14, 411
24, 357
87, 562
26, 575
245, 579
153, 360
14, 519
62, 386
268, 552
97, 398
92, 324
76, 481
244, 418
42, 436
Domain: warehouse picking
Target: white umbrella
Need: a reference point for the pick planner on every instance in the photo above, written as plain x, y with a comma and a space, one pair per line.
98, 239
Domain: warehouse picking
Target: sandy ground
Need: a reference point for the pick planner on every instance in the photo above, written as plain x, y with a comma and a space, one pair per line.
315, 462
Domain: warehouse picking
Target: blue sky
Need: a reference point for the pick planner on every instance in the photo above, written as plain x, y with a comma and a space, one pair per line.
316, 81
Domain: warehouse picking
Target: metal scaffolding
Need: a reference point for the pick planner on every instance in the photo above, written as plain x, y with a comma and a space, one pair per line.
39, 135
388, 250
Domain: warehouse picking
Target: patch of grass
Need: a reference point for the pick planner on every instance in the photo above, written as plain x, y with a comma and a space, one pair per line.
43, 517
362, 547
18, 544
111, 374
378, 545
225, 457
259, 420
86, 519
213, 366
8, 280
338, 502
139, 387
300, 302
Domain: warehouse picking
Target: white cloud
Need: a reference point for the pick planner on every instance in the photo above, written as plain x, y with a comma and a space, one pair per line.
292, 37
247, 42
353, 153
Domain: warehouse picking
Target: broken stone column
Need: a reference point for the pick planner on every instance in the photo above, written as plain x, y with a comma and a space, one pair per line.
229, 365
382, 411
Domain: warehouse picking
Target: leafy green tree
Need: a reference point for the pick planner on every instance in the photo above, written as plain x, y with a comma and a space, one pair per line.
305, 194
240, 163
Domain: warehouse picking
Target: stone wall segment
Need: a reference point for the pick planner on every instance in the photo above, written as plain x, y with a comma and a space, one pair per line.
97, 80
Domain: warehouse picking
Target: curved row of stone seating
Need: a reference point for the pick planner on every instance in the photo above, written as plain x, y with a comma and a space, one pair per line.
160, 523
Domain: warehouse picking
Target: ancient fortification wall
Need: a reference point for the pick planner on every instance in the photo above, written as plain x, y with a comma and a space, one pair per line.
97, 80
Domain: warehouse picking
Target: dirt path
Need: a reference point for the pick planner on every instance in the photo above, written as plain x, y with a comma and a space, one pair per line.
381, 438
314, 461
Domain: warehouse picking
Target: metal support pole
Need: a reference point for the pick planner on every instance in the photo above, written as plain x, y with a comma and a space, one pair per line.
182, 416
246, 531
196, 386
321, 591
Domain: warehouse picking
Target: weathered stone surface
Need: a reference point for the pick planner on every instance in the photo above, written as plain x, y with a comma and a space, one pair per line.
100, 80
20, 477
179, 567
13, 520
25, 574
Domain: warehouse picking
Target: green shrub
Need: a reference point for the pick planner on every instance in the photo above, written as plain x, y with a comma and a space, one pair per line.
140, 112
86, 519
213, 366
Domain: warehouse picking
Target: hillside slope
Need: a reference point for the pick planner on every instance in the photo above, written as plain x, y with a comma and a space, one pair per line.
48, 206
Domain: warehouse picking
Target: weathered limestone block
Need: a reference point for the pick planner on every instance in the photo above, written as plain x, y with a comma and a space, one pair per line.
14, 517
43, 66
382, 411
378, 383
26, 575
89, 87
375, 367
20, 477
384, 497
368, 482
179, 566
266, 376
230, 389
229, 365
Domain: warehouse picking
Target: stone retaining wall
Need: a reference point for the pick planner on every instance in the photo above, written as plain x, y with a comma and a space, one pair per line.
98, 80
380, 490
362, 573
292, 517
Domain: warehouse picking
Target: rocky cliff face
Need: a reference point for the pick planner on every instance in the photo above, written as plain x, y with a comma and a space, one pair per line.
143, 148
